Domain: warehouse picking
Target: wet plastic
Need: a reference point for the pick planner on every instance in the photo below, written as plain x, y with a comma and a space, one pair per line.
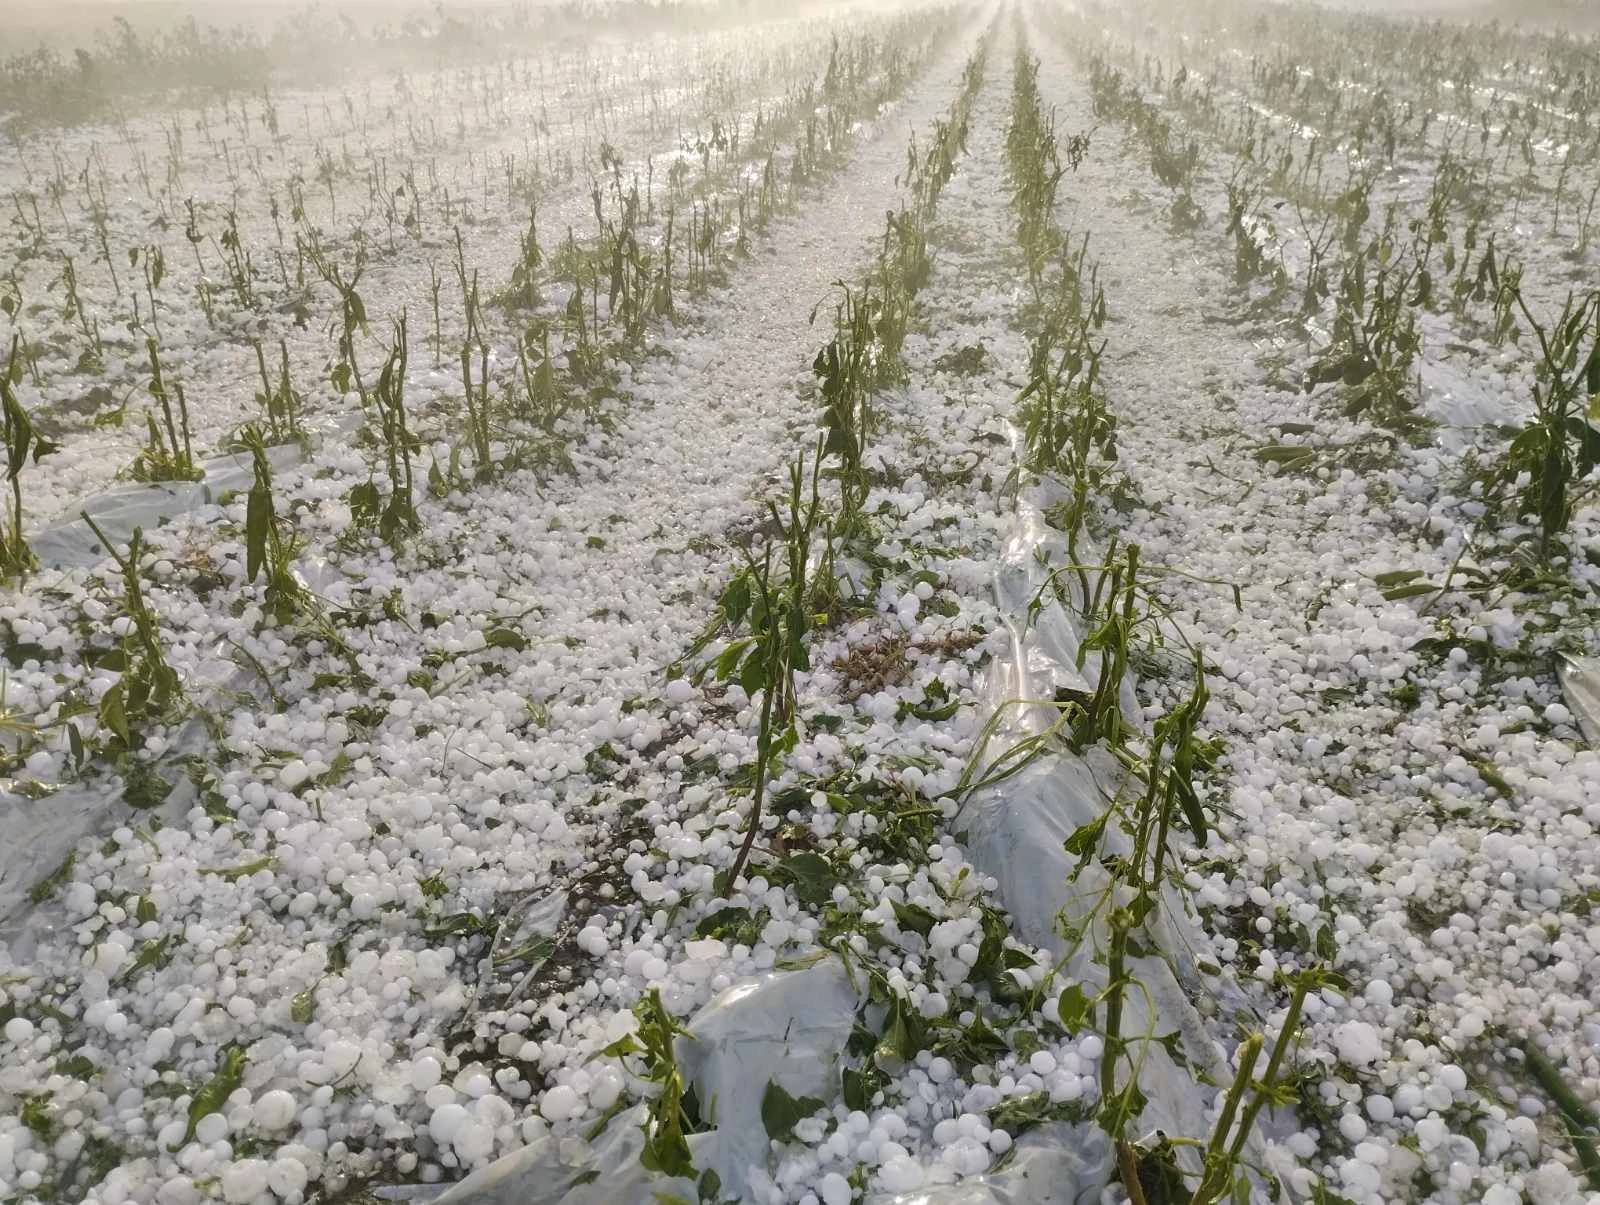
71, 544
785, 1027
1580, 686
1016, 829
1057, 1164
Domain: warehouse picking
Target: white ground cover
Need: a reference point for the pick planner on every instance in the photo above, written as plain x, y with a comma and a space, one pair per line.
1389, 778
418, 870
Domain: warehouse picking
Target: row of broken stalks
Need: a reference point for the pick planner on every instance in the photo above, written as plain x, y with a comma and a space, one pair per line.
791, 583
1127, 865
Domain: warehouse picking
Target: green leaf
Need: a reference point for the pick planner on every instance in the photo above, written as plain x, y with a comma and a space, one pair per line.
731, 922
213, 1096
144, 788
505, 638
364, 502
1022, 1113
1396, 577
1285, 454
735, 602
812, 877
710, 1187
1086, 839
112, 716
1074, 1008
257, 523
780, 1111
861, 1086
233, 874
1414, 590
727, 662
1327, 946
753, 673
914, 918
626, 1044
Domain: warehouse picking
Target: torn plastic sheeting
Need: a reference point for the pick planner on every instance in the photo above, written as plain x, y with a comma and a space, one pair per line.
786, 1027
36, 835
568, 1171
1046, 644
1056, 1164
72, 544
1015, 831
526, 935
1580, 686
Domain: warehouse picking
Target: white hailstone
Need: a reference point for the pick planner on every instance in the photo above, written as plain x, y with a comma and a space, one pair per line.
560, 1103
159, 1045
999, 1141
19, 1030
940, 1070
341, 1058
900, 1174
79, 899
1524, 1132
605, 1088
444, 1123
244, 1181
211, 1129
473, 1142
1431, 1132
1407, 1098
1358, 1043
835, 1189
275, 1110
1380, 1108
679, 690
592, 941
1436, 1096
294, 774
1042, 1062
1353, 1127
1552, 1184
966, 1157
425, 1073
494, 1111
1375, 1153
287, 1177
1451, 1077
1362, 1177
1500, 1194
179, 1190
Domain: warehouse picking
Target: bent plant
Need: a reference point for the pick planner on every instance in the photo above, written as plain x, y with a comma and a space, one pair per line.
1549, 463
22, 442
774, 597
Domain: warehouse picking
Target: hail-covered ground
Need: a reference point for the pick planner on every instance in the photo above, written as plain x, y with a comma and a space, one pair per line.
377, 819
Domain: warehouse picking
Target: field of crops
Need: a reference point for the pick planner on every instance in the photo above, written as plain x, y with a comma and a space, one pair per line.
940, 604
